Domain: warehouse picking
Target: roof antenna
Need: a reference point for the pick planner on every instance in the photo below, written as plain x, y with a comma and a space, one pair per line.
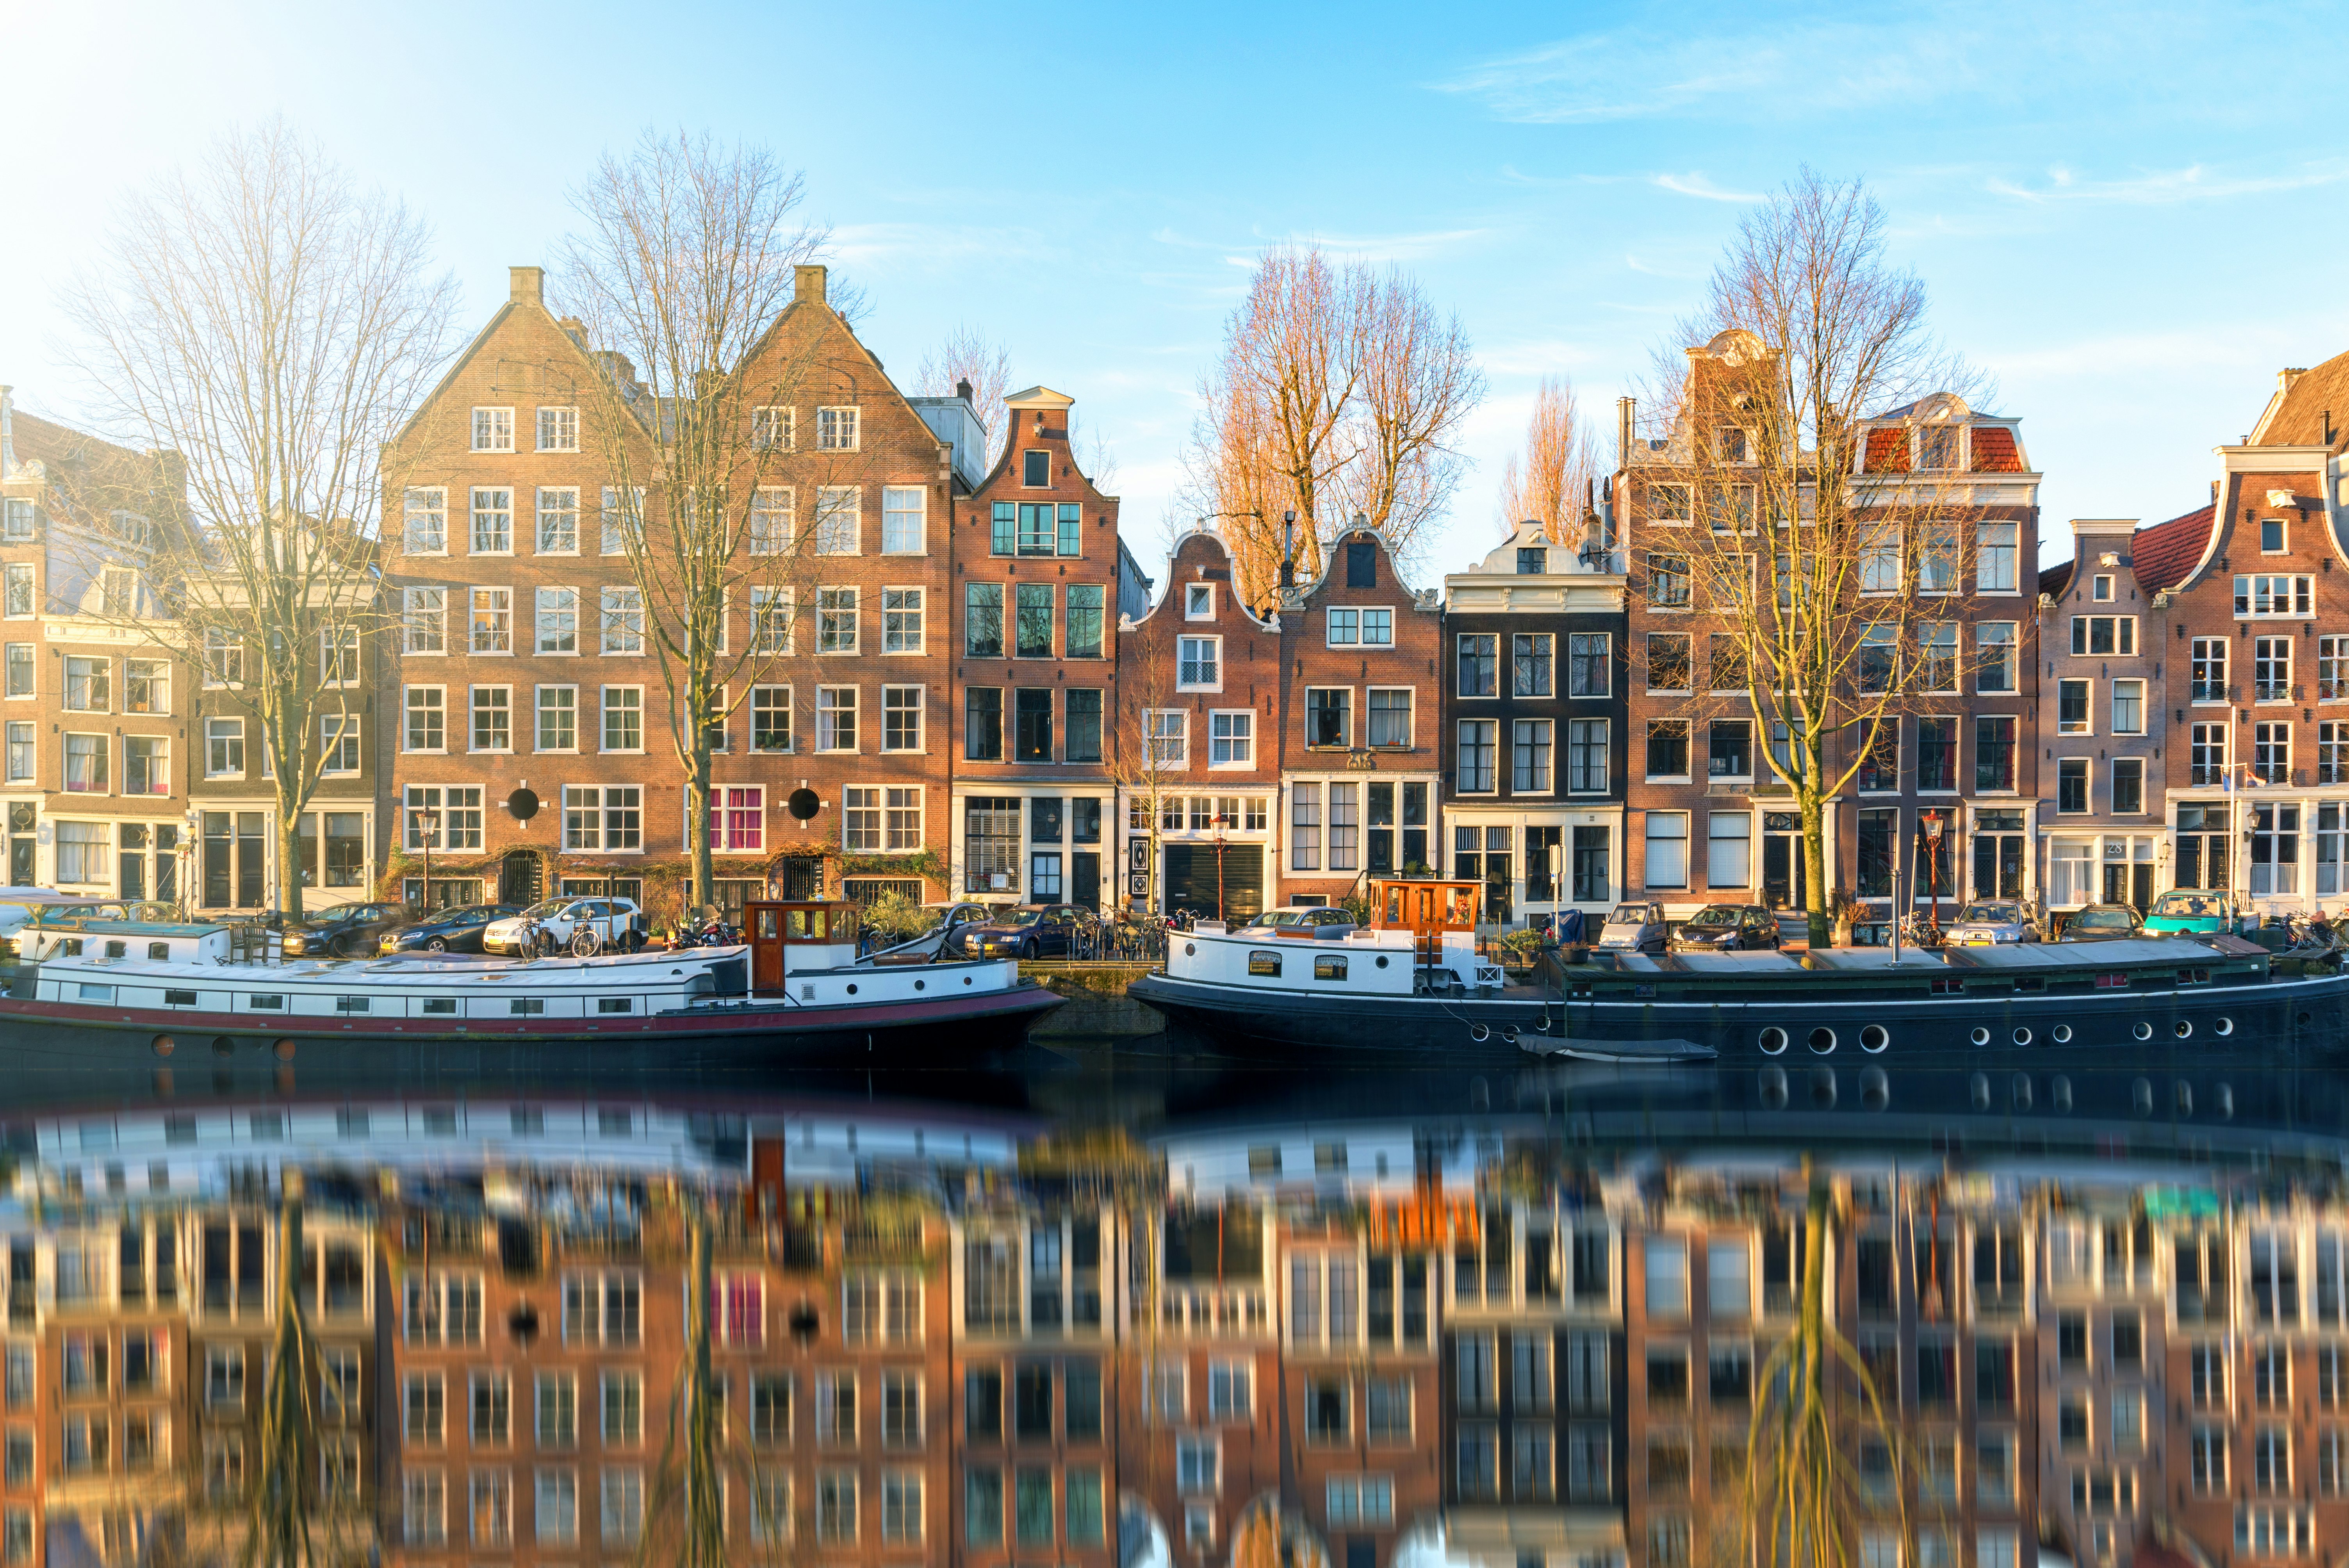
2328, 427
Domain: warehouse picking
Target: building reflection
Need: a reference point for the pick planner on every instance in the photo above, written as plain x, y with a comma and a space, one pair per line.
1529, 1328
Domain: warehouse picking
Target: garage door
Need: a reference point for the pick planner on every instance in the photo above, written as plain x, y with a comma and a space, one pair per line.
1191, 878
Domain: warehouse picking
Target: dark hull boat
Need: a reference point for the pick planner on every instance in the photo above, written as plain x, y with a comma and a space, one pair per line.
1384, 993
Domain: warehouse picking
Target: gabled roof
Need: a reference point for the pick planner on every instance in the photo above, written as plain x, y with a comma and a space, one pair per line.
2165, 553
2295, 417
2055, 579
1040, 397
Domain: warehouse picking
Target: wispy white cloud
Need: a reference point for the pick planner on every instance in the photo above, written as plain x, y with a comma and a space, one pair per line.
869, 242
2167, 187
1699, 186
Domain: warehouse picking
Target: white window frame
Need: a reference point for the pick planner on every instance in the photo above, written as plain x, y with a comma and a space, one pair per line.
538, 711
763, 424
2112, 711
791, 725
772, 509
408, 707
1198, 601
605, 612
1215, 646
832, 504
413, 610
919, 708
541, 511
1239, 743
771, 611
473, 607
540, 610
1410, 740
603, 734
855, 620
472, 707
834, 419
852, 710
920, 511
493, 433
558, 426
2088, 726
339, 732
414, 503
475, 511
920, 614
1167, 732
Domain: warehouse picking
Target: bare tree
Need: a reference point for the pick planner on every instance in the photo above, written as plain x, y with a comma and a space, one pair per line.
1549, 483
1814, 583
969, 354
265, 325
1339, 392
689, 255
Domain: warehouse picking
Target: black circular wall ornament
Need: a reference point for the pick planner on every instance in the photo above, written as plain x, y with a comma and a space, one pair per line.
522, 805
803, 804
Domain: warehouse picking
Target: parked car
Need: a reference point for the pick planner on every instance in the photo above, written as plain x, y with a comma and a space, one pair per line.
1990, 923
965, 918
1727, 928
1635, 928
617, 923
1033, 931
1321, 922
2182, 912
457, 929
345, 931
2103, 922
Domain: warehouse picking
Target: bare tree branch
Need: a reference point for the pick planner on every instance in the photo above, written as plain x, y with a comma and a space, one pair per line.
969, 354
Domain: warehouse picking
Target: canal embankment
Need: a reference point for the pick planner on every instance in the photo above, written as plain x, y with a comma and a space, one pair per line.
1098, 1004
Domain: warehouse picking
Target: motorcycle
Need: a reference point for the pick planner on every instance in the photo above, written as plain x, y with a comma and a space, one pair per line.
710, 932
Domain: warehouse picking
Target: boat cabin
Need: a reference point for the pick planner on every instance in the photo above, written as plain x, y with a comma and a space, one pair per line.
157, 940
794, 936
1429, 908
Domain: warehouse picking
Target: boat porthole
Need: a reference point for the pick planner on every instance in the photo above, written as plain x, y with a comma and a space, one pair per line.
1773, 1040
2185, 1028
1980, 1035
2023, 1037
851, 987
1823, 1040
1382, 961
165, 1044
2143, 1031
1873, 1039
966, 979
1875, 1089
2301, 1018
1190, 950
223, 1045
2223, 1027
285, 1050
2061, 1034
921, 985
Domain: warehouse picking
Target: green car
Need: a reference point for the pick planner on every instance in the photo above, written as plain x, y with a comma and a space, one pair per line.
2184, 912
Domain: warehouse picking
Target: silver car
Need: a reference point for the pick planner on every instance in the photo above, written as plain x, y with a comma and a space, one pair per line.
1987, 923
1635, 928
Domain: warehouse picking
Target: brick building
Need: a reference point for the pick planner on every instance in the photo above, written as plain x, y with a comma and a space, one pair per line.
1361, 761
2104, 636
1199, 703
2258, 730
97, 752
525, 634
1042, 583
1534, 700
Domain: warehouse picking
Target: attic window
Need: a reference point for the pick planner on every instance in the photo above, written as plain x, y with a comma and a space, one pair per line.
1198, 601
1732, 442
2100, 588
2272, 536
1036, 470
1533, 560
1936, 447
1361, 563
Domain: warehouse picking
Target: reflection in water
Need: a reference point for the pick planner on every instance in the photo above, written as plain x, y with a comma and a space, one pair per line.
1093, 1307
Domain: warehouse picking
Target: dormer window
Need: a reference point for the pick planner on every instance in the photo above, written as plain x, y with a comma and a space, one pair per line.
1533, 560
1198, 601
2100, 588
1936, 447
2272, 536
1036, 470
1730, 441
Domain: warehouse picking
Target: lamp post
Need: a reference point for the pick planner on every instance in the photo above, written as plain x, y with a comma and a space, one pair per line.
428, 828
1935, 824
1220, 821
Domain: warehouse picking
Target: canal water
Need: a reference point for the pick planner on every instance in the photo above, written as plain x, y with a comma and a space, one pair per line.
1166, 1301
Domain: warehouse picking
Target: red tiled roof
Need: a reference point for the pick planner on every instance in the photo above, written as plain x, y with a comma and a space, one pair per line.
1888, 450
1994, 451
2163, 554
2055, 579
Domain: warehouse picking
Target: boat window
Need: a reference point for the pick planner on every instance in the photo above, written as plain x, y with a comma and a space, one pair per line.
440, 1004
73, 947
767, 924
614, 1005
350, 1004
1263, 963
159, 950
1326, 967
179, 998
265, 1002
91, 992
117, 950
521, 1005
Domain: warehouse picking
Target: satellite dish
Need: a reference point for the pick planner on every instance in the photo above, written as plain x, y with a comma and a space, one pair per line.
803, 804
521, 805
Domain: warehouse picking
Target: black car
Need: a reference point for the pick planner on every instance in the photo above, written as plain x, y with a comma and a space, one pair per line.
346, 931
1727, 928
457, 929
2103, 922
1033, 931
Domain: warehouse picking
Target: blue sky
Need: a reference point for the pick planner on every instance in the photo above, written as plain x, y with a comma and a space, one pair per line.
2129, 217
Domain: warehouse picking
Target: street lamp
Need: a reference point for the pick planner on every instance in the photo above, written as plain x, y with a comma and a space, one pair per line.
428, 828
1934, 823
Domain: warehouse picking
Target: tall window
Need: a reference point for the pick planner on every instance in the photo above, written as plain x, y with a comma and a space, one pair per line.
558, 718
1476, 746
1993, 752
1588, 663
2271, 753
424, 616
835, 620
839, 519
1478, 656
558, 521
982, 620
1529, 752
1197, 663
1668, 848
1937, 646
492, 521
2207, 754
903, 520
493, 622
1668, 582
493, 718
1328, 717
1994, 649
1994, 557
1083, 636
624, 718
771, 519
424, 523
982, 728
2271, 669
770, 718
1032, 624
1668, 661
558, 620
835, 718
1586, 755
623, 620
1389, 716
1668, 749
427, 725
1936, 754
1529, 664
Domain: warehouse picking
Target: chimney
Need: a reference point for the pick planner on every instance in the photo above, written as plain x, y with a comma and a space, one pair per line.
526, 285
8, 432
1624, 409
810, 283
1288, 549
962, 389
